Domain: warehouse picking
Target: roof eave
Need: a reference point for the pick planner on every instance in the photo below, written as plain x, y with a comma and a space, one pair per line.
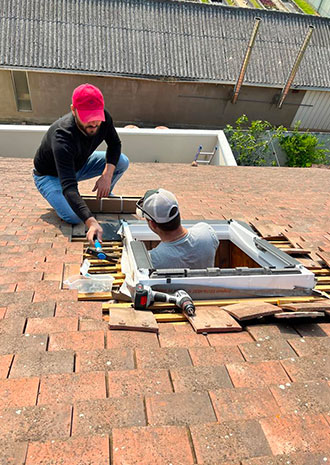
158, 78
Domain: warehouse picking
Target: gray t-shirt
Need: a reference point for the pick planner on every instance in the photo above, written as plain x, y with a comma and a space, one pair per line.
195, 250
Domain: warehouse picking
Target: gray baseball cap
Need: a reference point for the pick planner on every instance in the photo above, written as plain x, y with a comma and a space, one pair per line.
158, 205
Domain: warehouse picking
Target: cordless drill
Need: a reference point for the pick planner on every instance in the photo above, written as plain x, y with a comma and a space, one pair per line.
145, 296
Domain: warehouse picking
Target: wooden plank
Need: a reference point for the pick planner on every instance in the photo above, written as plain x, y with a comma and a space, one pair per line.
93, 259
221, 303
102, 263
287, 315
322, 287
295, 251
323, 280
322, 272
249, 310
112, 248
178, 318
115, 275
308, 306
170, 317
281, 243
105, 243
283, 300
212, 320
105, 269
95, 296
132, 320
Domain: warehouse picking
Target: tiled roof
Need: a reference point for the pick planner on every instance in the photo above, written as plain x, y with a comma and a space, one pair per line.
72, 391
156, 38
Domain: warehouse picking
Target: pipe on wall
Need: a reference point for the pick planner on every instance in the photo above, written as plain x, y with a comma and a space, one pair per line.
295, 67
246, 60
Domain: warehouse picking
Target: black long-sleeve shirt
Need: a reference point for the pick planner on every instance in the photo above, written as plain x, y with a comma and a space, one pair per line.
65, 149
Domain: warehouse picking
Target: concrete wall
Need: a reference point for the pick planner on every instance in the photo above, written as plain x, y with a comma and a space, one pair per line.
148, 103
140, 145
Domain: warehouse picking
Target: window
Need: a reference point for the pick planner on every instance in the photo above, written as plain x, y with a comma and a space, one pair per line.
245, 265
21, 90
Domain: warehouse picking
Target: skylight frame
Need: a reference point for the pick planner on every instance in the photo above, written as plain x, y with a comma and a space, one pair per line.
279, 274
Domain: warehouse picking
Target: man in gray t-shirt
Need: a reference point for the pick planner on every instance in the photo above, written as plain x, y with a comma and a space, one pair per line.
180, 247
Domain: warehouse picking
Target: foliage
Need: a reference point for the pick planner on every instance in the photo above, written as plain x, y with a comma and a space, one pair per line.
255, 3
249, 142
302, 149
306, 7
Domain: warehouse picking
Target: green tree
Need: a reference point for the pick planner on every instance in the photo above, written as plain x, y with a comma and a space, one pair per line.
252, 144
302, 148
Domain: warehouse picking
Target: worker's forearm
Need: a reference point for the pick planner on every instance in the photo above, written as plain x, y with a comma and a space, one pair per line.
77, 204
109, 170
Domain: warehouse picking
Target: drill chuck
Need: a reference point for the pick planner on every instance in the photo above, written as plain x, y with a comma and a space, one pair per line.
187, 306
145, 296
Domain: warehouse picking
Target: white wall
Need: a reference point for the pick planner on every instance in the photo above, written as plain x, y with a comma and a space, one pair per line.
140, 145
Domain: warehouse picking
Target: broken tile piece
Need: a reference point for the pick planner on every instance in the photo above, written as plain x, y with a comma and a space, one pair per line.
318, 306
301, 314
249, 310
213, 319
134, 320
268, 230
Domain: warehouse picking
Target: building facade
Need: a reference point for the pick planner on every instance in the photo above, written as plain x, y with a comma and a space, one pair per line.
161, 62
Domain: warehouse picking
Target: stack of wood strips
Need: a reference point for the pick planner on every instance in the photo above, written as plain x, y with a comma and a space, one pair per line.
118, 204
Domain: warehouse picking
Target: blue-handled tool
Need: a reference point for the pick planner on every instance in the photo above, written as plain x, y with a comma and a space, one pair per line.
98, 248
98, 252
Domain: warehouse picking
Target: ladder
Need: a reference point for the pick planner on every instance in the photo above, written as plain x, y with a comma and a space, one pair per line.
208, 156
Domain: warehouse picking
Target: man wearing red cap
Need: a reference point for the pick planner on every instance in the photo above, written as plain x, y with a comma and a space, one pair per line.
67, 154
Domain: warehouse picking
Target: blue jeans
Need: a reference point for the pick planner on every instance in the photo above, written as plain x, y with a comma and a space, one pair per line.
50, 187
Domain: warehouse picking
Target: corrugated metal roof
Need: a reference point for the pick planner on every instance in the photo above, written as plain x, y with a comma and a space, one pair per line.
314, 111
159, 38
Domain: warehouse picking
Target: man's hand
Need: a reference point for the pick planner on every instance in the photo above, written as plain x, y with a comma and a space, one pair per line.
94, 230
103, 185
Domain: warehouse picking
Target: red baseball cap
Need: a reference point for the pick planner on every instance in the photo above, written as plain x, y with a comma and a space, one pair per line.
89, 103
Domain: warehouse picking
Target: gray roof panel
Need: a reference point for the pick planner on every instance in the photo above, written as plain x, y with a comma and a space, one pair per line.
160, 38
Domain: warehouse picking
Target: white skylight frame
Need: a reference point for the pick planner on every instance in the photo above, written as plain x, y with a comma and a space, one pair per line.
278, 275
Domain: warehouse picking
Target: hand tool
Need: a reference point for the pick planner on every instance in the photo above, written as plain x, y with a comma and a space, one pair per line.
145, 296
100, 254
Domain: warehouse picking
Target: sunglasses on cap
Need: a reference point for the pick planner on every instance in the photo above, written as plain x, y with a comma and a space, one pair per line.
140, 202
